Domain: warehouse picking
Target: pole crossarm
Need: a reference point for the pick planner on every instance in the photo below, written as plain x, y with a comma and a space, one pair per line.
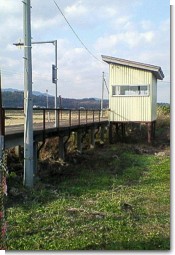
55, 80
41, 42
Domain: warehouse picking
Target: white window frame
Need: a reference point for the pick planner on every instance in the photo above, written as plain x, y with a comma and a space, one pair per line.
117, 90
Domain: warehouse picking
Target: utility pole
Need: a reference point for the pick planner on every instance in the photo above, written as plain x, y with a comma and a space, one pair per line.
56, 81
47, 101
54, 72
102, 95
1, 131
28, 101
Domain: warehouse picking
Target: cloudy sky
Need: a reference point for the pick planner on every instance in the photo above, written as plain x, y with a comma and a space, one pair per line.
137, 30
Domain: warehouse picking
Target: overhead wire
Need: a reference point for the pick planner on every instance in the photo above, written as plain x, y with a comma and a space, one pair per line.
19, 75
106, 86
9, 73
86, 48
164, 81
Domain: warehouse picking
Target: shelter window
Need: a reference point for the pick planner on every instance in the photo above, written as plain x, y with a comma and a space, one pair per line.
130, 90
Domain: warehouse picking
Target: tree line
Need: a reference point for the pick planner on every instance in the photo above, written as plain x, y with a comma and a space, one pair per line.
15, 99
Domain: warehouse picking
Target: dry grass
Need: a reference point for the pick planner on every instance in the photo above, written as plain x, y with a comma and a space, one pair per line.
17, 117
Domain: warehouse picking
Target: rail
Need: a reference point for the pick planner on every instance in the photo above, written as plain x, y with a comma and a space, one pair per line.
44, 118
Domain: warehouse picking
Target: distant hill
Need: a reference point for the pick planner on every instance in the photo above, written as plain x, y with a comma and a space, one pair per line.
14, 98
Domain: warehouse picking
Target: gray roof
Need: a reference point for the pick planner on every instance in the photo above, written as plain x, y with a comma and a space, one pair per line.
156, 70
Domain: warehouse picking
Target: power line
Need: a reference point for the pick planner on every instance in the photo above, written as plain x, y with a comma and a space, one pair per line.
19, 75
10, 72
77, 34
106, 86
165, 82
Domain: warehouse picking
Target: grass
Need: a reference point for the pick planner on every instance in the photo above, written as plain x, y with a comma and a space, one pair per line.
112, 199
115, 197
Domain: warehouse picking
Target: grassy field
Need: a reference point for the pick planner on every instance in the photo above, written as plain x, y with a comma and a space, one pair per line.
116, 197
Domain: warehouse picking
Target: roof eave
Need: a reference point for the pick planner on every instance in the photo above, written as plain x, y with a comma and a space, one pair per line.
156, 70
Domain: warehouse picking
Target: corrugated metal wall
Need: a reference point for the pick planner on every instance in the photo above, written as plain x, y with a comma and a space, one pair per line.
154, 98
132, 108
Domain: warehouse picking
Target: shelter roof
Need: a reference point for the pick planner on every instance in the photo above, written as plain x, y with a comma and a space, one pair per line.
156, 70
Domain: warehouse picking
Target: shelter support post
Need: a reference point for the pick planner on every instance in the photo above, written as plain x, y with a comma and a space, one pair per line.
117, 129
61, 148
102, 132
35, 157
79, 141
92, 137
151, 131
18, 151
123, 131
74, 138
154, 129
110, 133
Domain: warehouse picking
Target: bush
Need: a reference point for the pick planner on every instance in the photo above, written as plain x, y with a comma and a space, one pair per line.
163, 109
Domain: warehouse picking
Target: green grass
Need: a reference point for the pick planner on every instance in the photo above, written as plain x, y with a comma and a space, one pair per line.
112, 199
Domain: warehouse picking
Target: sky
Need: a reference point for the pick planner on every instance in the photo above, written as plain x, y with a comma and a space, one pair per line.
137, 30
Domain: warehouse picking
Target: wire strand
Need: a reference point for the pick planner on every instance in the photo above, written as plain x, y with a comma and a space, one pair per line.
77, 34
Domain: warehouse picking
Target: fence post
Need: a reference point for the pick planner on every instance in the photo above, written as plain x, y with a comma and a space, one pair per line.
79, 117
44, 120
70, 118
58, 117
2, 121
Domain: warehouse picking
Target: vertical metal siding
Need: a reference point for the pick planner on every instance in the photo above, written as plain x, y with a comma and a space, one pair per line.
132, 108
154, 99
